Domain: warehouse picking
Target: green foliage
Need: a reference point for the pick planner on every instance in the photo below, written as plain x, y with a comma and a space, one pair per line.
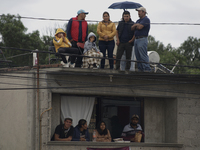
93, 28
188, 54
14, 35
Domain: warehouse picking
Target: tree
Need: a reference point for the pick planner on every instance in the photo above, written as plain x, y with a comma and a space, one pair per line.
13, 34
190, 49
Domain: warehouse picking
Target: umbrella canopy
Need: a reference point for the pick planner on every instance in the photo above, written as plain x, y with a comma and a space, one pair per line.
125, 5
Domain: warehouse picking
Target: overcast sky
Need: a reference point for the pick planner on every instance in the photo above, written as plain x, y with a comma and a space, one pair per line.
159, 11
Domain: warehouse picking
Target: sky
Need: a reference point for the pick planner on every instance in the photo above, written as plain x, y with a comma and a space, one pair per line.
159, 11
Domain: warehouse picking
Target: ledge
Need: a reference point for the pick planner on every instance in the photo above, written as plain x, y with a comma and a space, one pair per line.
104, 144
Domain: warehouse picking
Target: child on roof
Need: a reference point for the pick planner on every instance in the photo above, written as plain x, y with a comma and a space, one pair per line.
91, 50
63, 45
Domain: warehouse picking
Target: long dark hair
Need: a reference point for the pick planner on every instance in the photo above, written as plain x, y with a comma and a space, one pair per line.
105, 12
81, 122
105, 131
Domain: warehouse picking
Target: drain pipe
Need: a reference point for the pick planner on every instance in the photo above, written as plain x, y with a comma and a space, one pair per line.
38, 102
41, 126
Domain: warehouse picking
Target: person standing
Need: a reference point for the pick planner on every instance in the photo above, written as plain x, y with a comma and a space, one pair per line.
77, 31
141, 29
125, 39
106, 30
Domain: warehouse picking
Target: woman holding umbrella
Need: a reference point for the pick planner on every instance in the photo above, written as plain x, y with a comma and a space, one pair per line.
106, 30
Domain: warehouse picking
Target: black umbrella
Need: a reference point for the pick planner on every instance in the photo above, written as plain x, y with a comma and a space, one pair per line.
125, 5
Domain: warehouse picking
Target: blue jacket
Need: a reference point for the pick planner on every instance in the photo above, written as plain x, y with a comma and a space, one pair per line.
76, 136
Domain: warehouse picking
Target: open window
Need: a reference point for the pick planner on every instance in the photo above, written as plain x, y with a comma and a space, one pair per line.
115, 111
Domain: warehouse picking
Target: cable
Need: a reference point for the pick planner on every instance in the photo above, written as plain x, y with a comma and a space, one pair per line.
40, 18
66, 54
19, 55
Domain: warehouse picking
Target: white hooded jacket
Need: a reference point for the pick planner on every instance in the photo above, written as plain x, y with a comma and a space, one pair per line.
90, 45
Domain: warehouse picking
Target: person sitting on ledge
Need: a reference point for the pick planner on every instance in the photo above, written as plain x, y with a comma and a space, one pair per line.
63, 45
131, 129
81, 131
64, 132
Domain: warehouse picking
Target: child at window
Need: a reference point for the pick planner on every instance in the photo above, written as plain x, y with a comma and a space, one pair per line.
90, 49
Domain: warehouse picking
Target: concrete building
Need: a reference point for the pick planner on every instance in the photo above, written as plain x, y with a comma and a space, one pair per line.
168, 106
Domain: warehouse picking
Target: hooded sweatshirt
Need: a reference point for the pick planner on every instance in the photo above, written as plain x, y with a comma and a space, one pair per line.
58, 42
90, 45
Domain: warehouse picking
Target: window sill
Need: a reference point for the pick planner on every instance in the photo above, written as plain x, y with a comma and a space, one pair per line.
114, 144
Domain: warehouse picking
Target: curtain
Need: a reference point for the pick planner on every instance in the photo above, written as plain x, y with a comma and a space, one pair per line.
77, 108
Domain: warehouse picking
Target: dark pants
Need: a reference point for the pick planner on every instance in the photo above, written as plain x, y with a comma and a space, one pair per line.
120, 51
80, 52
109, 45
69, 50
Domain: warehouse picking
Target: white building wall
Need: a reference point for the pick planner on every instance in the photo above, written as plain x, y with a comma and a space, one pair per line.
13, 114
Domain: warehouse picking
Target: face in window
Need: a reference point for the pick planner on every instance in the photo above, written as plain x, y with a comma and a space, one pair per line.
67, 124
84, 126
134, 121
102, 126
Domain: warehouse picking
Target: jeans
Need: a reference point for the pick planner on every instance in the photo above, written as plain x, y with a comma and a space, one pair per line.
141, 54
109, 45
121, 48
123, 61
69, 50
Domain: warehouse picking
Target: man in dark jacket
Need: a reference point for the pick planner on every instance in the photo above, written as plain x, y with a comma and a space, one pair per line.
125, 39
64, 132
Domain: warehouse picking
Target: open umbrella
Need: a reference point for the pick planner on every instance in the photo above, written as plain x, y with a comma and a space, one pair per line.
125, 5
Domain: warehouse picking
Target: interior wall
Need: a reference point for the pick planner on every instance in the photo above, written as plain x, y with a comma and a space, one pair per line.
55, 116
171, 120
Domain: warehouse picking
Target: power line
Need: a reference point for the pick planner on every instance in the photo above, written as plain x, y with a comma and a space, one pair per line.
58, 19
66, 54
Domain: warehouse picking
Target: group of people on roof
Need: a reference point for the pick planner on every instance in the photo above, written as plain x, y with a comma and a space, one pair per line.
66, 132
131, 39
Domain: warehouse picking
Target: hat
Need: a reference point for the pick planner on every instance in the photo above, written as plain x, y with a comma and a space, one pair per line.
69, 118
135, 116
82, 11
142, 8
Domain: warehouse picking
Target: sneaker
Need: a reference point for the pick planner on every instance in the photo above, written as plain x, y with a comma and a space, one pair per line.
66, 65
72, 65
96, 66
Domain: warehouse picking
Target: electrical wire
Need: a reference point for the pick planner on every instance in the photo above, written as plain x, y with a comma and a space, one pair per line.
66, 54
58, 19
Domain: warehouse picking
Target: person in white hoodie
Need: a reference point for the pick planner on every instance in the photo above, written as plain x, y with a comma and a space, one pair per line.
91, 50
